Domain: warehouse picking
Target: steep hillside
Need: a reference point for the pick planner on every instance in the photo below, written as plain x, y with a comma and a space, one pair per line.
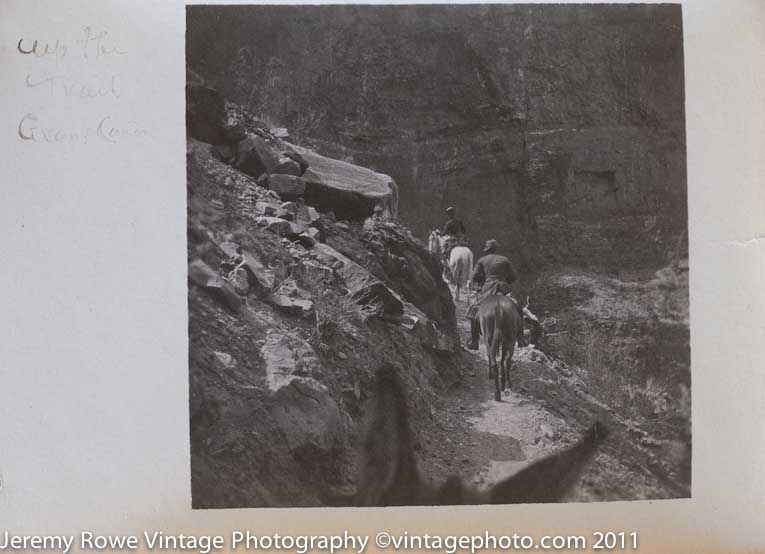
285, 336
291, 311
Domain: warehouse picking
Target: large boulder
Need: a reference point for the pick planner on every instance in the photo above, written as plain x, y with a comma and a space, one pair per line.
303, 409
255, 156
351, 191
309, 418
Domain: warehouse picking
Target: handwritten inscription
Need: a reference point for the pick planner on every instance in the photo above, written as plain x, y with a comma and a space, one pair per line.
82, 68
73, 87
91, 45
106, 129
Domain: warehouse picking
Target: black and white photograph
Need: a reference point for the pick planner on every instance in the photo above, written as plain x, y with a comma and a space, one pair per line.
437, 254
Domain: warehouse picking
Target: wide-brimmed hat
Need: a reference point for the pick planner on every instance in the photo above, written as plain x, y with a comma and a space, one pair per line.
450, 210
490, 245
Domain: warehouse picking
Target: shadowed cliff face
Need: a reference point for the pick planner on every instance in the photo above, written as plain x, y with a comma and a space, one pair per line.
558, 130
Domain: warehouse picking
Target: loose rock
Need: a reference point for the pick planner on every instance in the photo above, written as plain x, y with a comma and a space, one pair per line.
265, 208
291, 306
201, 274
288, 166
280, 133
240, 281
275, 225
255, 156
286, 186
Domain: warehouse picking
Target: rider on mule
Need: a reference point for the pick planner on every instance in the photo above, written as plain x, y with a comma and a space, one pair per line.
454, 233
493, 274
454, 227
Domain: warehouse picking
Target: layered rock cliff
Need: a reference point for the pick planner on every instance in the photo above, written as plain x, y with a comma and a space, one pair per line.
558, 130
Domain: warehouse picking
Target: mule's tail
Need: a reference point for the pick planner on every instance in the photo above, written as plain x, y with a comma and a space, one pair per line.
496, 347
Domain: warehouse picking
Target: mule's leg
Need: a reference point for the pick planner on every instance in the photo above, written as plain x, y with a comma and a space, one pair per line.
495, 346
506, 373
487, 332
503, 367
492, 361
497, 390
457, 269
511, 350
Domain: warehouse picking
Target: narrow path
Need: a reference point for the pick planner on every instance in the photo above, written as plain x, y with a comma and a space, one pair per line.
492, 439
503, 437
486, 441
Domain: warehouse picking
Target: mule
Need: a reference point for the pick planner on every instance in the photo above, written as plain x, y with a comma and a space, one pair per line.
458, 268
461, 268
501, 325
435, 243
390, 476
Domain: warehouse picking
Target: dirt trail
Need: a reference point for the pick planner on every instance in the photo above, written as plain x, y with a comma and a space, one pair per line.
488, 441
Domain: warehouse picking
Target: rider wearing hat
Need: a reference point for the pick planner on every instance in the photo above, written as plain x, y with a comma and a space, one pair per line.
494, 274
454, 227
453, 233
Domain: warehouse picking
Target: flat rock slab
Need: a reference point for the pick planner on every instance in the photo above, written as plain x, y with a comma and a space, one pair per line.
350, 190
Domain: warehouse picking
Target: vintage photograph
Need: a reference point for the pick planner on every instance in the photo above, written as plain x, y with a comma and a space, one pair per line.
437, 254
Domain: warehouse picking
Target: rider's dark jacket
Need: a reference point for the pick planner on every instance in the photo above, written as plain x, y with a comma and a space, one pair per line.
454, 227
494, 274
492, 269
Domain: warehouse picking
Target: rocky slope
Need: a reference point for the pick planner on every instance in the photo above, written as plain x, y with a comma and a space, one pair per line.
290, 312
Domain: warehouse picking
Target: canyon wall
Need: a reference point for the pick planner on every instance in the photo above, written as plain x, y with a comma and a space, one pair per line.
558, 130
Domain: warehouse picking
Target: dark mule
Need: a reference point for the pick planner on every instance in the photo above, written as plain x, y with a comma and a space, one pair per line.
390, 476
501, 324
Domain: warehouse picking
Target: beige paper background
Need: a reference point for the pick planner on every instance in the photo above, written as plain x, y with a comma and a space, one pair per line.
93, 348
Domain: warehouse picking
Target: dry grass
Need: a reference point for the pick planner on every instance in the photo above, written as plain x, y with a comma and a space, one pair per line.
613, 375
336, 314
